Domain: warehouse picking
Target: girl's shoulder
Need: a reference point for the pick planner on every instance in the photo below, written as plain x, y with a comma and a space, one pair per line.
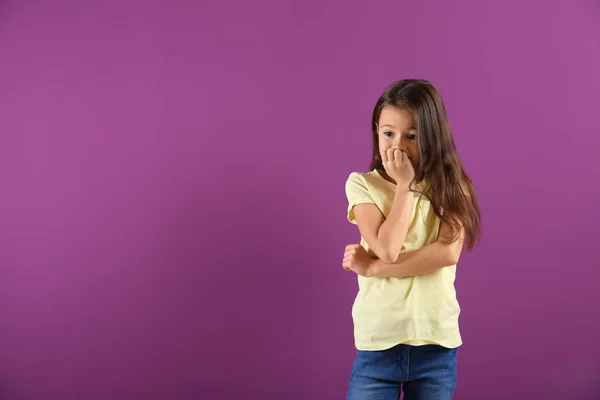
373, 176
371, 182
370, 179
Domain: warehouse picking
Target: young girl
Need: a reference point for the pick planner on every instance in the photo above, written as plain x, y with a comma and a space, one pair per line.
414, 210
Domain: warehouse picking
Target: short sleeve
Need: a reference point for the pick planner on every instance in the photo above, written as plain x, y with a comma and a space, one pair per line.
357, 193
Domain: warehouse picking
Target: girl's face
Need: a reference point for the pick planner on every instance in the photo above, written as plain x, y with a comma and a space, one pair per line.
397, 128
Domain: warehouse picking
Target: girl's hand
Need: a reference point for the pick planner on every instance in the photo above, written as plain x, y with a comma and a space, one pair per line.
358, 260
398, 166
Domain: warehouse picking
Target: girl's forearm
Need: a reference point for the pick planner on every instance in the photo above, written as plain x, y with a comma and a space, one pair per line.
392, 233
419, 262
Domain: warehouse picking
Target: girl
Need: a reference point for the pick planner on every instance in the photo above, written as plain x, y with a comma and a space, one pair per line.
414, 210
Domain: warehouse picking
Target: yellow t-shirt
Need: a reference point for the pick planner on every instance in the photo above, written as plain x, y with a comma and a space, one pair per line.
413, 310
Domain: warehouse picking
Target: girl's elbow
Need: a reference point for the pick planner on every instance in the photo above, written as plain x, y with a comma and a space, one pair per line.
450, 252
452, 256
387, 253
387, 257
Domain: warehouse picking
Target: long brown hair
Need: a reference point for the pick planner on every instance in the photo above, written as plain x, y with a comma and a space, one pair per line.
448, 187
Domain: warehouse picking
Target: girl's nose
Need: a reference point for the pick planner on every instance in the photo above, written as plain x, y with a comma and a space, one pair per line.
398, 145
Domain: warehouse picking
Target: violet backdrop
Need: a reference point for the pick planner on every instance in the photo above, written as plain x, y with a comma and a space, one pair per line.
173, 214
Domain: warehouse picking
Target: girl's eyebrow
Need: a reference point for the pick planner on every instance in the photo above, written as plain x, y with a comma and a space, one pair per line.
412, 128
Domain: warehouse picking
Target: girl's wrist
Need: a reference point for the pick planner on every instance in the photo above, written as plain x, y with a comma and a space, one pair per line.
373, 269
402, 187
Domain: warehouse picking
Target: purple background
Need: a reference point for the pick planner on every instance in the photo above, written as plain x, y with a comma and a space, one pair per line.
172, 216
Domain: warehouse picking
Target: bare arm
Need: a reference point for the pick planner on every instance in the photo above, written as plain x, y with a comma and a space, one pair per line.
385, 236
429, 258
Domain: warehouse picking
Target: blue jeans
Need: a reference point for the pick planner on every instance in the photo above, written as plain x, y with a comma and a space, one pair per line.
422, 372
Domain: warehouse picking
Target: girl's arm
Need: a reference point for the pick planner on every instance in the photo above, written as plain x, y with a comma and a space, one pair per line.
385, 236
429, 258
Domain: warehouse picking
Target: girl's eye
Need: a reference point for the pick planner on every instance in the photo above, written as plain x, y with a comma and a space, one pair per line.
387, 133
412, 136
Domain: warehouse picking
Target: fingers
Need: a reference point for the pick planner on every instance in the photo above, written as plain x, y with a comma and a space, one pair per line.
395, 156
346, 264
398, 157
351, 249
403, 158
390, 155
349, 253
